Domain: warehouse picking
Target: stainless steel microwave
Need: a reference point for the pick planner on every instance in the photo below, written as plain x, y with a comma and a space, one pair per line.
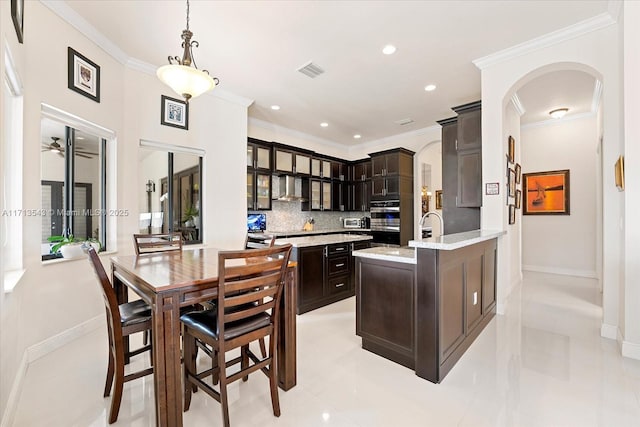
351, 222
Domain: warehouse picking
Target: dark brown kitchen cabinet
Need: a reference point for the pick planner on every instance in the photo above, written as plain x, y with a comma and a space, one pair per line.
291, 162
258, 155
339, 170
469, 152
361, 170
325, 274
320, 168
361, 199
392, 174
258, 190
339, 196
317, 195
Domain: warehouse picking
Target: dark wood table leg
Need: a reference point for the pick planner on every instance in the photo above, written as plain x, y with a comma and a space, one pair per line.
166, 359
122, 294
287, 333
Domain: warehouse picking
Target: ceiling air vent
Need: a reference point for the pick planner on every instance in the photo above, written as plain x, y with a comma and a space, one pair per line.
403, 122
311, 70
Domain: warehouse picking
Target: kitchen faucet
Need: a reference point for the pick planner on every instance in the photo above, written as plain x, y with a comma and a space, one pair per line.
420, 223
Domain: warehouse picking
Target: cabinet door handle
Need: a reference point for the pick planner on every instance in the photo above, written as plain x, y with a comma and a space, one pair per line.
339, 285
340, 265
340, 249
456, 145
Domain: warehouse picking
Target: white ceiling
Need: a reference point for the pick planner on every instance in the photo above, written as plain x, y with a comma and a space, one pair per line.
255, 47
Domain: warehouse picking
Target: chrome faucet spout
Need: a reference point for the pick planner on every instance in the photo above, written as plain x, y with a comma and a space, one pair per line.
436, 214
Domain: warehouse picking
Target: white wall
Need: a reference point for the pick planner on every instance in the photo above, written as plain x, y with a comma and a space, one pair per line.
513, 238
64, 294
563, 243
596, 52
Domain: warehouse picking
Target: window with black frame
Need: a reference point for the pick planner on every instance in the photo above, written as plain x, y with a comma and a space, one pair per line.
170, 205
73, 184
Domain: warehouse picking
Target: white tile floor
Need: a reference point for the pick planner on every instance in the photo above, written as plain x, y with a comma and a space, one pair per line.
542, 364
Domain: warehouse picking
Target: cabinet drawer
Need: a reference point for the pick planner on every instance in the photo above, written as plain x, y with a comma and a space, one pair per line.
339, 248
338, 265
339, 284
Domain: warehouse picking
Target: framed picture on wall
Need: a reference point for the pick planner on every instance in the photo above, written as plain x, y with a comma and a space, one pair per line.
17, 15
518, 199
512, 214
512, 149
512, 183
546, 193
619, 169
83, 75
518, 173
174, 112
438, 199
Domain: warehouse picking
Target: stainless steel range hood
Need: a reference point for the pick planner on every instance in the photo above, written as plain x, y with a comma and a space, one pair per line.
285, 189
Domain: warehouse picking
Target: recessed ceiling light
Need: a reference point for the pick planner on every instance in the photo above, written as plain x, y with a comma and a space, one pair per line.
389, 49
357, 136
558, 113
429, 88
275, 107
324, 124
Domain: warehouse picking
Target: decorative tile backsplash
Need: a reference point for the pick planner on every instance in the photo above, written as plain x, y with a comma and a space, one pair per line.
288, 216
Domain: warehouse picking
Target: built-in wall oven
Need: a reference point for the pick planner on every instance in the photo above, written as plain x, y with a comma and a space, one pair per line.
385, 222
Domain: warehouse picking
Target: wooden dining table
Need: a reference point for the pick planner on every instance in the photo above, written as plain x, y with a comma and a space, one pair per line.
170, 280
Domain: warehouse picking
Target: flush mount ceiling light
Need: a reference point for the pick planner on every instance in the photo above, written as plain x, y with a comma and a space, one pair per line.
186, 80
324, 124
275, 107
430, 88
357, 136
558, 113
389, 49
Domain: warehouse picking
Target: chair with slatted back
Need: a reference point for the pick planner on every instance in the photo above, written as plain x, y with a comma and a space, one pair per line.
122, 321
151, 243
249, 293
253, 242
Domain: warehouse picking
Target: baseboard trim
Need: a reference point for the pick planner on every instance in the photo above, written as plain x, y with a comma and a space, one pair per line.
37, 351
589, 274
14, 394
53, 343
631, 350
501, 304
609, 331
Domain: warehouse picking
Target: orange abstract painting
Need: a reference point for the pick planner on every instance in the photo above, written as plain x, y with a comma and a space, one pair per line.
546, 193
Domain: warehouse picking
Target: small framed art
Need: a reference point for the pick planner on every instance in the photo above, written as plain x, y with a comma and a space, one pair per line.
518, 199
83, 75
619, 168
174, 112
512, 214
492, 188
518, 173
17, 15
512, 183
438, 199
512, 149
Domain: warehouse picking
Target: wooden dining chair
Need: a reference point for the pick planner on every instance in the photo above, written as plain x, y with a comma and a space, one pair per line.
251, 242
122, 321
151, 243
247, 309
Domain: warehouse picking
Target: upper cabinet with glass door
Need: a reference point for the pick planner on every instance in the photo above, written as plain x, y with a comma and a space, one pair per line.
258, 155
294, 162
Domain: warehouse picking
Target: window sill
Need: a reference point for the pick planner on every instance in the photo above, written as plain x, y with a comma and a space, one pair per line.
11, 279
84, 258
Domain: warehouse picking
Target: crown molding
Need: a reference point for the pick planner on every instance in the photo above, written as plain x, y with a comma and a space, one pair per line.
551, 122
614, 7
392, 138
595, 23
64, 11
295, 133
597, 96
517, 104
73, 18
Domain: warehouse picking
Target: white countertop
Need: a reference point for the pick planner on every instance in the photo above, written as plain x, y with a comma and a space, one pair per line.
278, 233
404, 255
450, 242
328, 239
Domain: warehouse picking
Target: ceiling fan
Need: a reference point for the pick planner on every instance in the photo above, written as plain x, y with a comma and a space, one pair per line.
55, 147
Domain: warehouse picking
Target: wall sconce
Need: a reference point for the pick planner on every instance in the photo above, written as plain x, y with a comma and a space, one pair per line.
151, 186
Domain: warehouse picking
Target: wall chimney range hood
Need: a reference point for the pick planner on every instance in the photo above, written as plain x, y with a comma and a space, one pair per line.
287, 189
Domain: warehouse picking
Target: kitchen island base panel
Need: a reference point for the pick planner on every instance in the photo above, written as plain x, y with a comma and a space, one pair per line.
384, 350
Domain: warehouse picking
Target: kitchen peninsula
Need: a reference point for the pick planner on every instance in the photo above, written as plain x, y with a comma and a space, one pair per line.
424, 305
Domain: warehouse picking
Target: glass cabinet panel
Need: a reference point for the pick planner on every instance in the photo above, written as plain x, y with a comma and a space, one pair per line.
315, 168
284, 161
250, 190
326, 169
326, 196
263, 158
250, 156
263, 191
303, 164
315, 195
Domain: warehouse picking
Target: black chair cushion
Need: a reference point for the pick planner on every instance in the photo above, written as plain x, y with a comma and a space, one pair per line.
207, 323
134, 312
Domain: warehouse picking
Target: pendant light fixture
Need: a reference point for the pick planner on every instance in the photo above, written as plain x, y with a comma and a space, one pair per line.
182, 75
